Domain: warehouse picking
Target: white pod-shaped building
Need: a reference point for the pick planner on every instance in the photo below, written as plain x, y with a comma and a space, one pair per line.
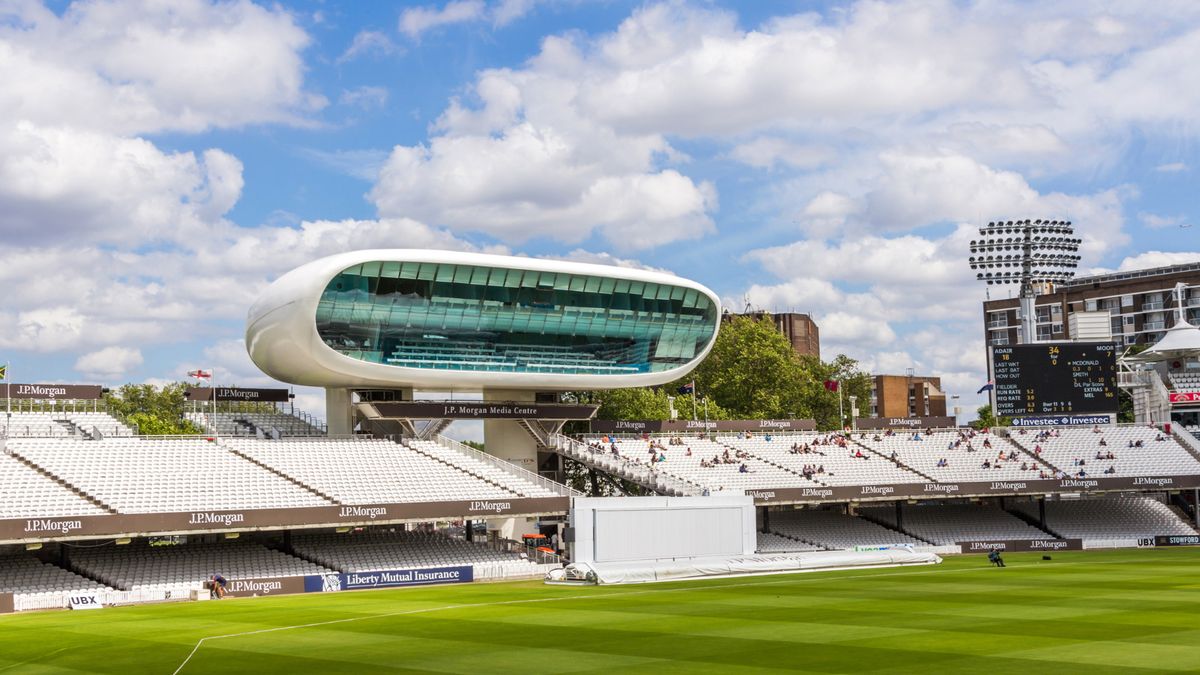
447, 320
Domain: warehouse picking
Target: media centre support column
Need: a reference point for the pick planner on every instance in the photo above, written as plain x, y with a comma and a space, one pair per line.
339, 413
508, 440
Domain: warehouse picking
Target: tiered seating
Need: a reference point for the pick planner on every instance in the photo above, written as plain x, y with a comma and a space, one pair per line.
25, 493
836, 530
381, 551
185, 568
154, 476
1185, 381
1159, 454
362, 471
34, 425
721, 476
26, 575
1109, 517
950, 523
106, 424
841, 467
964, 463
502, 357
489, 471
245, 423
769, 542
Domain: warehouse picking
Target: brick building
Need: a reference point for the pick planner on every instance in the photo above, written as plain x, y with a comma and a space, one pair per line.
907, 396
799, 329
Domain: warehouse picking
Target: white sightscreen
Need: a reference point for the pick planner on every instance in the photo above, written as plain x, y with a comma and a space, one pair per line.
656, 533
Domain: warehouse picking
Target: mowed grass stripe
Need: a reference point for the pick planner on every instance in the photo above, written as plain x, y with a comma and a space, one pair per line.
958, 617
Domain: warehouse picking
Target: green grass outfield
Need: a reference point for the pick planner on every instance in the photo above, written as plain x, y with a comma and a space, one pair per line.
1094, 612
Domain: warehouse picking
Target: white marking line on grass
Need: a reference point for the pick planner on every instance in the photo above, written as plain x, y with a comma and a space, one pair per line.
592, 596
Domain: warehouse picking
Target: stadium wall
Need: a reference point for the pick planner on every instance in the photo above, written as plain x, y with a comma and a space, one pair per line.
999, 488
6, 603
83, 527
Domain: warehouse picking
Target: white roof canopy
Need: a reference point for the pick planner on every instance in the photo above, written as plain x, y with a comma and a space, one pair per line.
1182, 340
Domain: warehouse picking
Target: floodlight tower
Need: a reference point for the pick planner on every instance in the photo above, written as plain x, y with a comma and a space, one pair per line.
1026, 252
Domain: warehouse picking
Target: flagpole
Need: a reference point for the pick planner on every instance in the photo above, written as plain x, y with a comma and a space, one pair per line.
694, 400
841, 413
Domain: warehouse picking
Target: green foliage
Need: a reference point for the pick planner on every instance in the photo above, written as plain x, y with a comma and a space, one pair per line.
153, 410
987, 419
751, 373
633, 404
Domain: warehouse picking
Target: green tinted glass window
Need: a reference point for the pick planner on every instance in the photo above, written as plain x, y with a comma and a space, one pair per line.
463, 317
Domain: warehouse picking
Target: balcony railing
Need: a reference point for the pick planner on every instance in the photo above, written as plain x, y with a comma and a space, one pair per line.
1152, 304
1154, 325
998, 323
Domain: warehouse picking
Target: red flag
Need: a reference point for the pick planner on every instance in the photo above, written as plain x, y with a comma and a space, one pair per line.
831, 385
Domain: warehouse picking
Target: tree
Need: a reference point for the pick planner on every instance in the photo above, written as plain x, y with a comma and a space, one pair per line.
987, 419
642, 403
152, 410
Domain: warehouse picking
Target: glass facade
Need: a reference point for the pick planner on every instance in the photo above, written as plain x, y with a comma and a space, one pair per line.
463, 317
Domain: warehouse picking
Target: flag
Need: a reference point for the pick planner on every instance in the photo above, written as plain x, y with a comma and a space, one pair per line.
688, 388
991, 384
200, 374
3, 371
831, 385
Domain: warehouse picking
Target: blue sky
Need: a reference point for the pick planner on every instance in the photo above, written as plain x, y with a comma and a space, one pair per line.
161, 162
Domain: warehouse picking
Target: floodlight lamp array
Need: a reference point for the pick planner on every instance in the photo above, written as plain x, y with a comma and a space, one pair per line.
1025, 251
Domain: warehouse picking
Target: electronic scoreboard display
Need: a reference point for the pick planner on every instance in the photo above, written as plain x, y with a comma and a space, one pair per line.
1055, 378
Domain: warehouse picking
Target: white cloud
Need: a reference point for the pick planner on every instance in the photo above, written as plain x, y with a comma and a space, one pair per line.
417, 20
368, 42
141, 67
1157, 222
365, 97
1172, 167
765, 152
1151, 259
110, 362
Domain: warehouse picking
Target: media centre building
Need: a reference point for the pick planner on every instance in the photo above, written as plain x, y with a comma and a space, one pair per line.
376, 327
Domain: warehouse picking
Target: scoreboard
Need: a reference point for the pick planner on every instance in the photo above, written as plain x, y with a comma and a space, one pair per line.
1055, 378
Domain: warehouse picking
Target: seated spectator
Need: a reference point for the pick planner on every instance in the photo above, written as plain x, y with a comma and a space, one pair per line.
1103, 443
689, 451
1096, 430
987, 464
987, 443
1024, 466
743, 469
1111, 469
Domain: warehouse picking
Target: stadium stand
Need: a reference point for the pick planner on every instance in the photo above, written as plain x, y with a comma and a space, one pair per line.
769, 542
835, 530
964, 453
366, 471
833, 456
141, 475
175, 571
945, 524
712, 464
251, 423
1185, 381
63, 425
1137, 451
41, 584
484, 466
27, 493
375, 551
1109, 520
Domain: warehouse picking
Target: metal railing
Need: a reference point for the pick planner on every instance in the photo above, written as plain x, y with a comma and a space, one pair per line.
628, 468
508, 467
1152, 304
